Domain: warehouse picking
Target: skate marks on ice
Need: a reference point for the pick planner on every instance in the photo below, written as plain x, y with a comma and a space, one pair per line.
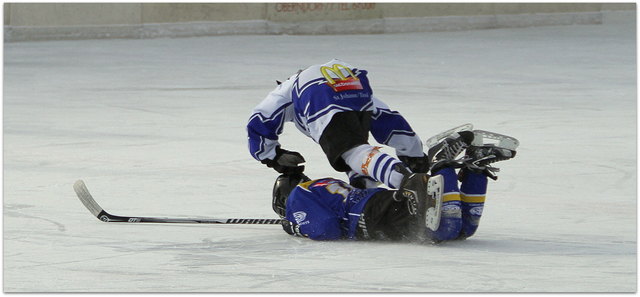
250, 258
14, 210
280, 263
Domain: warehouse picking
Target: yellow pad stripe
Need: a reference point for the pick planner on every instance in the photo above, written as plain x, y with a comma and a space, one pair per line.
473, 199
454, 196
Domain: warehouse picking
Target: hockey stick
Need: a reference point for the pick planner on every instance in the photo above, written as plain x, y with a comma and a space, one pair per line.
91, 204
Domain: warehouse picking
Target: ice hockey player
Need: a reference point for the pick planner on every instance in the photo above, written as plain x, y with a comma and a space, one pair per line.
333, 104
330, 209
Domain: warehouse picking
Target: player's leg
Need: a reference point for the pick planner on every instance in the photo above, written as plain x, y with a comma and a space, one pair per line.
384, 218
433, 202
403, 214
477, 169
370, 161
443, 156
345, 142
451, 214
473, 193
417, 212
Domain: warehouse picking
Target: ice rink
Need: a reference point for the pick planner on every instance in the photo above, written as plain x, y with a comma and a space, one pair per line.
157, 128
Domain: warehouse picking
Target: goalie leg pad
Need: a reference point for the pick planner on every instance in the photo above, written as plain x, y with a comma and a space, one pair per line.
474, 189
451, 217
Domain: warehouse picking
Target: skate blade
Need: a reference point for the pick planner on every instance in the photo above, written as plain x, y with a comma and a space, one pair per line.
482, 137
432, 141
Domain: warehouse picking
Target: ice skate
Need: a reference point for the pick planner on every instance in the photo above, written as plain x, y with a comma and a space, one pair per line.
480, 155
444, 153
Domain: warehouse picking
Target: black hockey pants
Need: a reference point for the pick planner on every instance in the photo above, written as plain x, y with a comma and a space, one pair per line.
345, 131
385, 219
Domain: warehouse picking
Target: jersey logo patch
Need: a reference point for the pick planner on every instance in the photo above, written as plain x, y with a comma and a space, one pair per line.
342, 82
300, 216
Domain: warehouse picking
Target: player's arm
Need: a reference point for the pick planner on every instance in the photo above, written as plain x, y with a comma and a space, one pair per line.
265, 125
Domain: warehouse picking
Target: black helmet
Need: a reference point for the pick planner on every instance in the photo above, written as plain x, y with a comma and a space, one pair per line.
282, 188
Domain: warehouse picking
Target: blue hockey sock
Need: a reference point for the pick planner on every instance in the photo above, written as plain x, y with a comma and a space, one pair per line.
369, 160
451, 219
474, 190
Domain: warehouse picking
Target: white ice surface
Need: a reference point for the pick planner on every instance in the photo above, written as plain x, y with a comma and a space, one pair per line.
157, 128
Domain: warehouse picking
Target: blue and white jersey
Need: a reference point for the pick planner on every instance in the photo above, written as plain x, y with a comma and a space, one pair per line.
326, 209
311, 97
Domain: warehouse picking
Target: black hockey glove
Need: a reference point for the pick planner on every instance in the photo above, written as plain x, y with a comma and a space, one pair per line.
288, 227
286, 162
416, 164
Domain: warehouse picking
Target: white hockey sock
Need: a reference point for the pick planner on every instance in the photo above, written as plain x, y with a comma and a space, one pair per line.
369, 160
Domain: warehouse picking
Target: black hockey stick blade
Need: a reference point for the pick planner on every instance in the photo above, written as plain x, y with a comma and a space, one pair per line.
93, 206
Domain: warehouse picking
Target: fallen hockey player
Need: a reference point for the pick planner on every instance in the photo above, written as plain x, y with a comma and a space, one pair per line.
431, 208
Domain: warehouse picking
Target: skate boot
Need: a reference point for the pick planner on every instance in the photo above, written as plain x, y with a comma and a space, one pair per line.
487, 148
444, 153
423, 196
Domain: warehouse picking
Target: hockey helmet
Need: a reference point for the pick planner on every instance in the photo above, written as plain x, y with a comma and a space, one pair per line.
282, 188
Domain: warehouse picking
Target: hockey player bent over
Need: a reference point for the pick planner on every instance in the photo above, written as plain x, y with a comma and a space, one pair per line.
437, 210
333, 104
